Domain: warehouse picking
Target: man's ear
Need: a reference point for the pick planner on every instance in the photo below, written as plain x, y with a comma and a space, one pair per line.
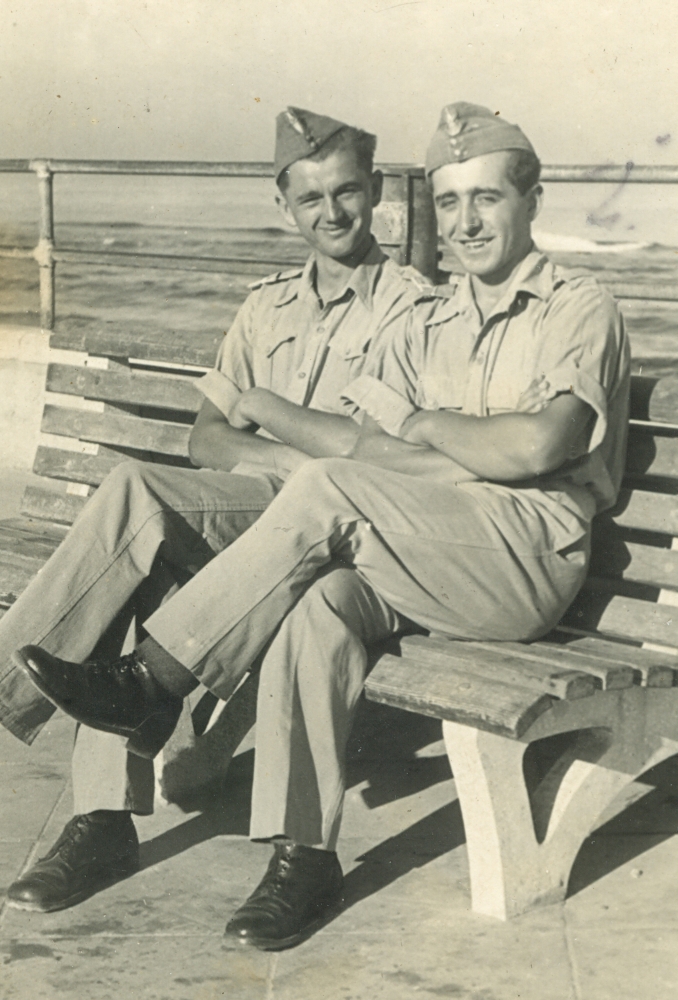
285, 211
377, 183
536, 196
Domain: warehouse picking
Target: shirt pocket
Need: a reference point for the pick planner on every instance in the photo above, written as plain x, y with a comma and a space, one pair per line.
277, 364
439, 392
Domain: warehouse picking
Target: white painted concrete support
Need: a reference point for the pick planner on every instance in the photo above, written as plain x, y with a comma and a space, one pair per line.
511, 870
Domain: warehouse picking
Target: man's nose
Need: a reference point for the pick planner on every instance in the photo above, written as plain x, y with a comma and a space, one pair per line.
333, 210
469, 218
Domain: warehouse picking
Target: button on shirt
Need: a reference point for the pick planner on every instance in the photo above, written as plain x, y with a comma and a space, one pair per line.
286, 340
550, 322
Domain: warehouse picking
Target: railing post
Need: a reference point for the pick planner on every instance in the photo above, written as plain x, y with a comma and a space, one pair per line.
422, 227
44, 252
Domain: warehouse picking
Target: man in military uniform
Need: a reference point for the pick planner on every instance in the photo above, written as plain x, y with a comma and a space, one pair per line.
459, 509
296, 343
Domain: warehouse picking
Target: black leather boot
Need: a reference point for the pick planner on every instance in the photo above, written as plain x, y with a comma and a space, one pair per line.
120, 697
93, 852
299, 892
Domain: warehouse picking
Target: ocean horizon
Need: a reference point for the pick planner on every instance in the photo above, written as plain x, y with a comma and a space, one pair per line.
621, 234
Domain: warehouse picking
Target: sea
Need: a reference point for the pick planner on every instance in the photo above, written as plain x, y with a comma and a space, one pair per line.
623, 234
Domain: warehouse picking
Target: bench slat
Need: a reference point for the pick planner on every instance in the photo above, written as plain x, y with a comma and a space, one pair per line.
45, 504
440, 691
633, 554
167, 392
654, 399
508, 663
111, 428
601, 673
652, 451
652, 668
80, 333
648, 511
626, 617
75, 467
25, 546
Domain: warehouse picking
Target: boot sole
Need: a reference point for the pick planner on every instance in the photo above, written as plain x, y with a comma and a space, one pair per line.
281, 944
76, 897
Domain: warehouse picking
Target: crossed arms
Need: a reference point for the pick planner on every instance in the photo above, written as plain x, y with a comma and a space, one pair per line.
441, 444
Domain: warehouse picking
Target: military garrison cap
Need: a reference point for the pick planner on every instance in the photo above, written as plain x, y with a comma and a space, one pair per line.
300, 133
468, 130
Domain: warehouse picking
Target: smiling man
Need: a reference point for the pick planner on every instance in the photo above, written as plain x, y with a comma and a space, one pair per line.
296, 343
460, 509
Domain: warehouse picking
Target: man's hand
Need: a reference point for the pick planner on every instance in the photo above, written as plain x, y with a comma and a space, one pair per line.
536, 397
375, 447
236, 415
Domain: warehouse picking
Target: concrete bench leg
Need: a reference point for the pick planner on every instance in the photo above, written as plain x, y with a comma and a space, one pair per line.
623, 733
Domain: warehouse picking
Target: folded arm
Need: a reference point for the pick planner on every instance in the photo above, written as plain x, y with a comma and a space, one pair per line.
313, 432
215, 444
505, 446
375, 447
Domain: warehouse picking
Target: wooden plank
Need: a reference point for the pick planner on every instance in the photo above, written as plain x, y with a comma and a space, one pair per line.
27, 537
111, 428
75, 467
138, 340
655, 398
633, 554
508, 663
599, 673
25, 546
653, 669
45, 504
119, 386
652, 451
15, 575
436, 690
648, 510
625, 617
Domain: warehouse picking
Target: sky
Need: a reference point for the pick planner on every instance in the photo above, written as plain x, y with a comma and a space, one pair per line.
590, 81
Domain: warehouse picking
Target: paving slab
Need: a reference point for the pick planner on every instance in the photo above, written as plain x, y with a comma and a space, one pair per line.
407, 928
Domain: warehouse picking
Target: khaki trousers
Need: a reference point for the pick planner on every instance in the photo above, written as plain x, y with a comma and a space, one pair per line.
408, 547
147, 528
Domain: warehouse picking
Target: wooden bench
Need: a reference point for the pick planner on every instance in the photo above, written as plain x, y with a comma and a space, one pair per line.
541, 737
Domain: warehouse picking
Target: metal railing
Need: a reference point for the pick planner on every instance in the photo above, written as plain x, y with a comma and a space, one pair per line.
420, 237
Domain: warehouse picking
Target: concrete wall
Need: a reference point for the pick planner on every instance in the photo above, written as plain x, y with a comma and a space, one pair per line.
23, 365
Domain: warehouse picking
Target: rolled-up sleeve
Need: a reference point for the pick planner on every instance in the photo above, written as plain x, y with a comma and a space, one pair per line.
380, 402
584, 349
233, 371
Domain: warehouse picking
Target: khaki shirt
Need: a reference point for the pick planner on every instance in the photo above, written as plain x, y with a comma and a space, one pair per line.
286, 340
550, 322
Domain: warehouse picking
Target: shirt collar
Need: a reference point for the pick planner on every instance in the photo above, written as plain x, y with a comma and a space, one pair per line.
361, 282
535, 276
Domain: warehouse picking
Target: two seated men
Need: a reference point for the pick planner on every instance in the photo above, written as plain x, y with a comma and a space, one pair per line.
431, 456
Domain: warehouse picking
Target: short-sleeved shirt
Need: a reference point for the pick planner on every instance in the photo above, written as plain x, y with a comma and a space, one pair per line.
552, 322
286, 340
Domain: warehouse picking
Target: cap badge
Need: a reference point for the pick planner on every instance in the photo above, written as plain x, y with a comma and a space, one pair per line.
301, 126
452, 122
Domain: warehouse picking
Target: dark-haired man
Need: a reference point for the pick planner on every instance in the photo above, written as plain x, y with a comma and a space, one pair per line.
455, 511
296, 343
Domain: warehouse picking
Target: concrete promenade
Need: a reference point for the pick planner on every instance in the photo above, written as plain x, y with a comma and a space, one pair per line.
407, 929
